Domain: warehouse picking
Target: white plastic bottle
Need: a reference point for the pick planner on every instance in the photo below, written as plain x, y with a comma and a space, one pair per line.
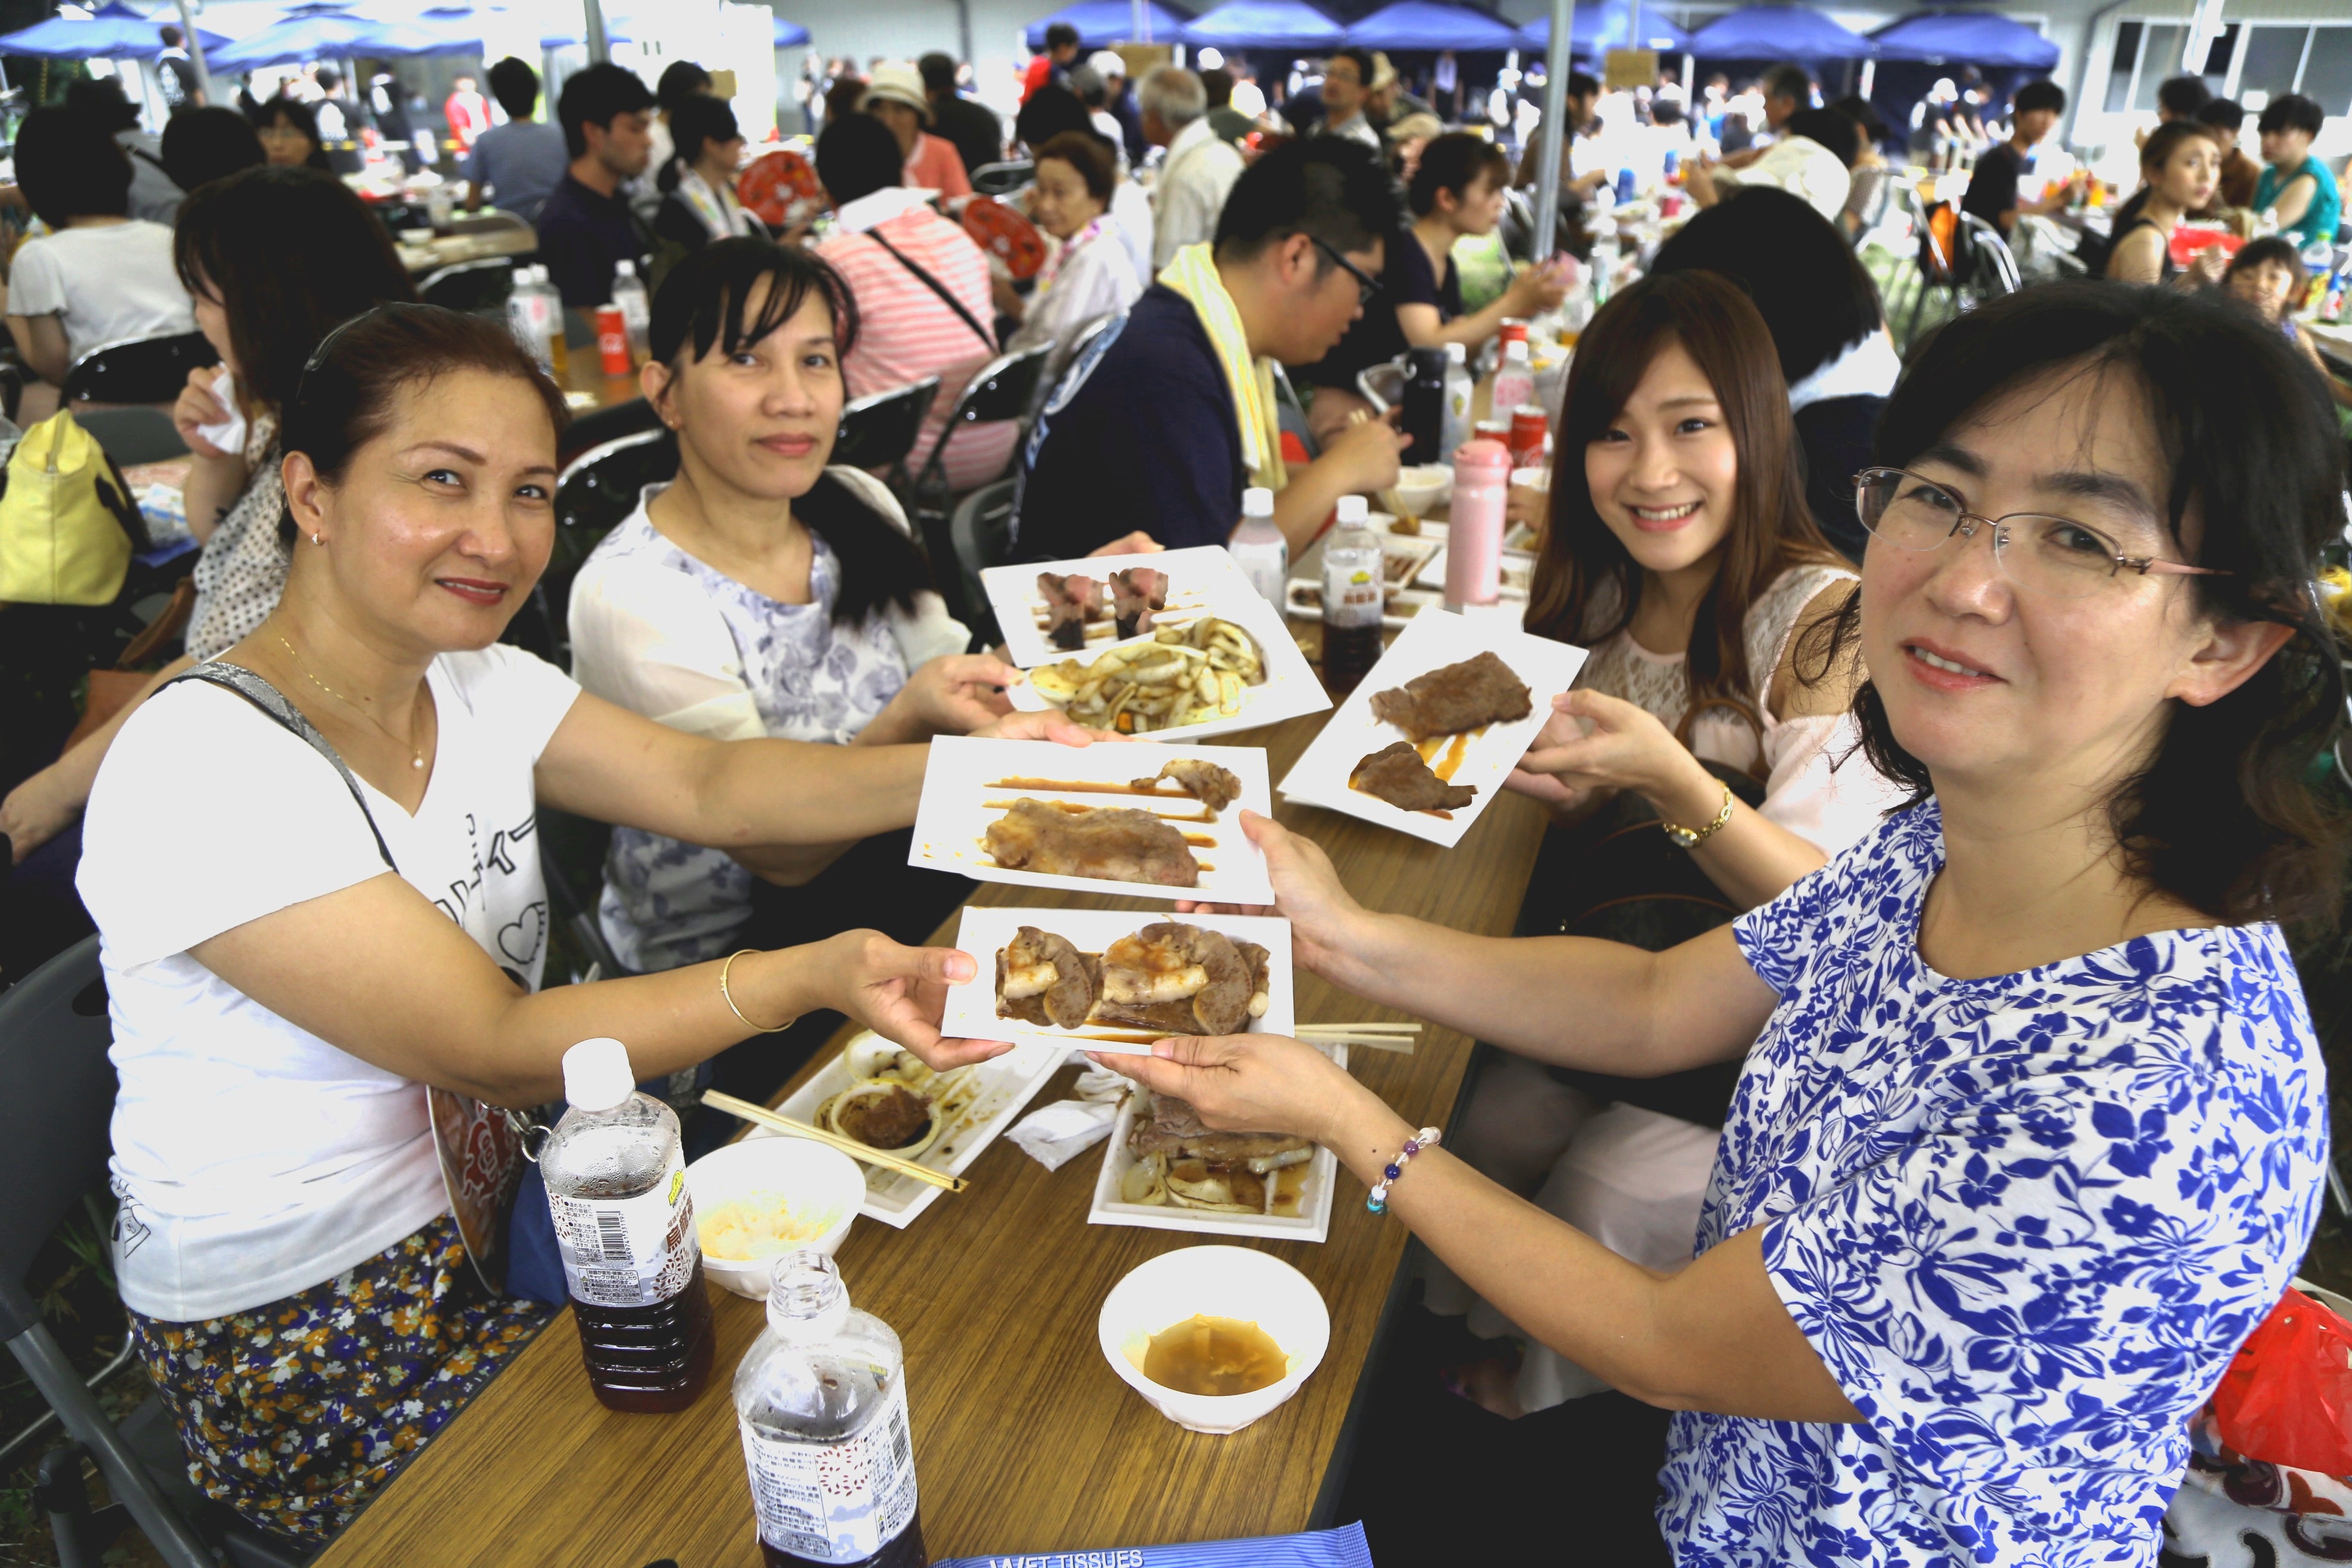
1454, 428
615, 1175
1354, 595
1515, 383
523, 316
1258, 547
821, 1402
629, 294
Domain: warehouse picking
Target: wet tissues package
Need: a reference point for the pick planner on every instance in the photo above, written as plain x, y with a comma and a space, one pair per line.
1340, 1548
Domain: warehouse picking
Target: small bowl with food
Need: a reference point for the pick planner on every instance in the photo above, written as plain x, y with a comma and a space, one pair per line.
763, 1196
1423, 487
1214, 1337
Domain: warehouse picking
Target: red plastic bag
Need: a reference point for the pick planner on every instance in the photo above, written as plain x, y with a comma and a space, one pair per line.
2287, 1396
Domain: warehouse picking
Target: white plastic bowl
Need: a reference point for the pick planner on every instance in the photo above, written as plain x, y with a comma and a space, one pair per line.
813, 1180
1423, 487
1224, 1282
1532, 478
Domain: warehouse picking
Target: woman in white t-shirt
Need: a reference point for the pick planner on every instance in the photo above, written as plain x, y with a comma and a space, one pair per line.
286, 979
99, 276
764, 592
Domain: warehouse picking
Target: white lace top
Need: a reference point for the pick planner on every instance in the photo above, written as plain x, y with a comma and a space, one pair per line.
1813, 787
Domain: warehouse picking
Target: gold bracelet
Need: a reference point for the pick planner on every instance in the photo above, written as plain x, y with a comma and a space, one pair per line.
1691, 837
729, 998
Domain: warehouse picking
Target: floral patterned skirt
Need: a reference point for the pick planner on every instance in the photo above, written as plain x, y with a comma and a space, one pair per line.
294, 1414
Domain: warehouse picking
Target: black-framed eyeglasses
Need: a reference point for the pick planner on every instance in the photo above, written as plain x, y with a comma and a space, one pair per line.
2053, 556
1366, 284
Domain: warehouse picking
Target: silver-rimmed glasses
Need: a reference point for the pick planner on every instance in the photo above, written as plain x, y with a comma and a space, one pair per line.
2056, 556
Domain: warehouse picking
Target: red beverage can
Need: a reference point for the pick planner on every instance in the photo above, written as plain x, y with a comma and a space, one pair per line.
1513, 330
612, 340
1498, 431
1526, 437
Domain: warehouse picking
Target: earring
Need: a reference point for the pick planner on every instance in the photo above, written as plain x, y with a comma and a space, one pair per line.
315, 539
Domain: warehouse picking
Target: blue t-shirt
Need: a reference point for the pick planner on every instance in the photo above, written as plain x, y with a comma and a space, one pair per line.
2025, 1221
520, 162
2320, 216
1139, 434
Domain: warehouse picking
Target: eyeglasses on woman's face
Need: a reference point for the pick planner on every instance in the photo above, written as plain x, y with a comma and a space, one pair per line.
2047, 556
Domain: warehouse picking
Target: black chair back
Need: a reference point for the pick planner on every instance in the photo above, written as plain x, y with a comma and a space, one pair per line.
138, 370
1003, 179
57, 1098
981, 533
1003, 388
597, 490
879, 430
591, 431
133, 434
469, 285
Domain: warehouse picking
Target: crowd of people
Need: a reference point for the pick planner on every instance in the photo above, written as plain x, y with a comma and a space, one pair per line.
1930, 1164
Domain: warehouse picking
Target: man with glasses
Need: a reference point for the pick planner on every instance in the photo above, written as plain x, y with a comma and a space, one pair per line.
1346, 85
1161, 421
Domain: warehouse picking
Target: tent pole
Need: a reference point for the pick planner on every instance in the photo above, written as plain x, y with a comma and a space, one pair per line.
600, 48
1554, 130
195, 51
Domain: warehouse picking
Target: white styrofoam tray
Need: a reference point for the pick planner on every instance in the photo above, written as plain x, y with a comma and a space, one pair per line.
1290, 688
985, 931
1202, 579
1433, 639
964, 791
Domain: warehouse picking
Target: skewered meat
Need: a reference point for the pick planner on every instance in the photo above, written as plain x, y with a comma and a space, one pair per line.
1212, 785
1135, 593
1181, 980
1399, 775
1116, 844
1457, 697
1041, 979
1070, 602
1174, 1128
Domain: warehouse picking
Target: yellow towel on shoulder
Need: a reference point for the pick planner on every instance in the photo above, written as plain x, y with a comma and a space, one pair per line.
1193, 274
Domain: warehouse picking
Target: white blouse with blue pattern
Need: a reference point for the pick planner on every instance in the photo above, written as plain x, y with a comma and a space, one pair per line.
2025, 1221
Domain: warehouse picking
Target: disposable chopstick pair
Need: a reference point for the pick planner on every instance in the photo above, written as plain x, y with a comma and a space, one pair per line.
1389, 500
776, 1122
1396, 1037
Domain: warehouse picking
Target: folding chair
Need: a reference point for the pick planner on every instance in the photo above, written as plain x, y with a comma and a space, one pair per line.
469, 285
56, 1099
132, 436
138, 370
1994, 270
1003, 388
1003, 179
879, 430
981, 532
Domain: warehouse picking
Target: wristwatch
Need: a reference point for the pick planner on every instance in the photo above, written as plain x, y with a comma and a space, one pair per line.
1691, 837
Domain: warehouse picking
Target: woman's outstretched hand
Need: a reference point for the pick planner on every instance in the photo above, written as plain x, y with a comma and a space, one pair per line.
900, 992
1247, 1083
1328, 929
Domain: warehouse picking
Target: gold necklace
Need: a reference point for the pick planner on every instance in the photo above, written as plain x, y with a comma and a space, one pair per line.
415, 754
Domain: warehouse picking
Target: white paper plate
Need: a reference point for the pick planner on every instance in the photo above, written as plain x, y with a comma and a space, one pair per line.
972, 1006
1435, 638
1290, 688
1518, 572
1404, 604
1405, 557
1007, 1085
1312, 1222
964, 774
1202, 579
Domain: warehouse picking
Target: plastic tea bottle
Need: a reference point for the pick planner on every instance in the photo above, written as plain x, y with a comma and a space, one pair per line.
1474, 541
1353, 593
559, 351
1515, 382
629, 293
1258, 547
523, 316
616, 1187
1460, 392
821, 1401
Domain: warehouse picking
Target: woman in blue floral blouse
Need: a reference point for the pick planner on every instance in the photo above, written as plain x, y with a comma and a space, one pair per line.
2031, 1130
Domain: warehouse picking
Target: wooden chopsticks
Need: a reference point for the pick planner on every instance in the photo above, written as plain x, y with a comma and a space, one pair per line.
1396, 1037
762, 1116
1389, 502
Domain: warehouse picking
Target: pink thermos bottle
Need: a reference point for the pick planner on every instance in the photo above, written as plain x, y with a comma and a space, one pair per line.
1474, 538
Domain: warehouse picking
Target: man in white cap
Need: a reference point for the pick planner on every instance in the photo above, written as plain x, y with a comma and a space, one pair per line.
894, 95
1120, 104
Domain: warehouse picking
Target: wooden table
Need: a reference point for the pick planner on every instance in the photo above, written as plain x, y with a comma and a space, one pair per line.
585, 385
1025, 1440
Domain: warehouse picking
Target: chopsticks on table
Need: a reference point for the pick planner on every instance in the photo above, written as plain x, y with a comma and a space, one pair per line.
1397, 1037
775, 1122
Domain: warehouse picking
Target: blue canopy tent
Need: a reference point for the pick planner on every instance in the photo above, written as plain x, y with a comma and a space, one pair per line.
1603, 25
1101, 22
1263, 25
1428, 25
114, 33
319, 33
788, 35
1778, 33
1984, 38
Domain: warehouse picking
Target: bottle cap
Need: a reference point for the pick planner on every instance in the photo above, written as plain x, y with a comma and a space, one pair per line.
1354, 509
1458, 353
596, 1075
1257, 502
1516, 348
806, 1298
1482, 454
624, 268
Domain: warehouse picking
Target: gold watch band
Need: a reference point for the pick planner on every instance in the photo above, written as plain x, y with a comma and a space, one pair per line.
1691, 837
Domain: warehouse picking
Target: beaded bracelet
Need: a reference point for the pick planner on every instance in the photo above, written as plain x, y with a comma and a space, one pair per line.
1378, 1199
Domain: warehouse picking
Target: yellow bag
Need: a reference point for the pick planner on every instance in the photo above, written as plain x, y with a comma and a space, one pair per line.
68, 524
